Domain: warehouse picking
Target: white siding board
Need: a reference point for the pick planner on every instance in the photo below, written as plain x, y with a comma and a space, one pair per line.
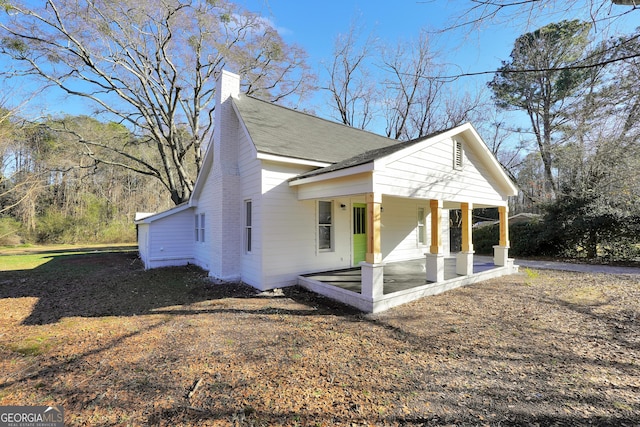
143, 243
251, 182
399, 222
429, 174
339, 187
202, 250
171, 240
290, 238
399, 236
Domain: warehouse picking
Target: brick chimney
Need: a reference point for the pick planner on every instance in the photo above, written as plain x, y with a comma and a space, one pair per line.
224, 182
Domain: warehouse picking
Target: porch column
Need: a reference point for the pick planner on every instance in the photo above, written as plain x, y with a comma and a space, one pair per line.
372, 272
372, 280
464, 259
435, 257
374, 254
501, 251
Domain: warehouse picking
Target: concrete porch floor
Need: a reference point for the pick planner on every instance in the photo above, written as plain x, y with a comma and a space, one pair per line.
399, 275
404, 281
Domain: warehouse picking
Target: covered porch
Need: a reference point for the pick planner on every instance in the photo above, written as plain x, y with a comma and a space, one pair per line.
419, 183
375, 285
402, 282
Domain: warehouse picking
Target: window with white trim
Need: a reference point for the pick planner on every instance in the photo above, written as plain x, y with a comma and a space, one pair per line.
421, 229
197, 227
325, 225
458, 155
248, 227
202, 227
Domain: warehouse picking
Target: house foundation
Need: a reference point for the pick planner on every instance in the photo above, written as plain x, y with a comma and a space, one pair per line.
403, 282
435, 267
372, 280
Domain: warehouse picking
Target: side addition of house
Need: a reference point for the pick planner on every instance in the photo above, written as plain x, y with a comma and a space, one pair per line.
286, 198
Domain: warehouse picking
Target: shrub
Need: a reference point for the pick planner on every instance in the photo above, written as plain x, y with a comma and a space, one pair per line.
590, 226
531, 239
53, 226
485, 238
571, 228
526, 239
10, 232
118, 232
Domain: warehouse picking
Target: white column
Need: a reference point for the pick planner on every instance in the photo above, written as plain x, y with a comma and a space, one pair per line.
464, 259
435, 257
372, 280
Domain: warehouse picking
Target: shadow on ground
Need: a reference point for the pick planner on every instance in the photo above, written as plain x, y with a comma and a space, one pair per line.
115, 284
483, 355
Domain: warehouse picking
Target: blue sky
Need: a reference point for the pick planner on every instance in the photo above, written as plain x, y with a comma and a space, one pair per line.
314, 25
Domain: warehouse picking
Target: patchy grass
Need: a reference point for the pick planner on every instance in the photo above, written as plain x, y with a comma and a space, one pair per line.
31, 257
586, 295
31, 346
117, 345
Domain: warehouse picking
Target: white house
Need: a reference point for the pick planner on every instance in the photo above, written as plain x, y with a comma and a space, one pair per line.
283, 195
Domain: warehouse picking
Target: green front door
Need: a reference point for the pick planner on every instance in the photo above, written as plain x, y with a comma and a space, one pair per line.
359, 232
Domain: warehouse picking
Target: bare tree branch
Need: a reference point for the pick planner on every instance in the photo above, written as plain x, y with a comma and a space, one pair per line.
152, 65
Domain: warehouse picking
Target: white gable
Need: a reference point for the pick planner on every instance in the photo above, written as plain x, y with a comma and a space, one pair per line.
425, 170
429, 173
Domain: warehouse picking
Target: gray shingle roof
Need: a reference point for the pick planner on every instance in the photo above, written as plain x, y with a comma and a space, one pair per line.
284, 132
359, 159
367, 156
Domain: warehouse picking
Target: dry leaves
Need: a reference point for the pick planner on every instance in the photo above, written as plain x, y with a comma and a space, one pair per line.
116, 345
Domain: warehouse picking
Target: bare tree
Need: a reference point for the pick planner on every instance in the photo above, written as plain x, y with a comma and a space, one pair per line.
477, 13
499, 137
603, 132
409, 96
151, 65
351, 84
417, 100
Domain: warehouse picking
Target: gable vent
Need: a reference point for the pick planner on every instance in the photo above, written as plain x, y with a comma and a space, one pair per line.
457, 155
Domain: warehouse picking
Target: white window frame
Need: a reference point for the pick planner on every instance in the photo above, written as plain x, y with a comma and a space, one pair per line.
248, 226
196, 227
421, 228
200, 226
323, 225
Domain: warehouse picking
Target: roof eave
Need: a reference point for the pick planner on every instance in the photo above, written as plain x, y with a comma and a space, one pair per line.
340, 173
291, 160
155, 217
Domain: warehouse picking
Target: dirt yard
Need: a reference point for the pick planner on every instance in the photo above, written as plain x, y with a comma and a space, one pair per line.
118, 346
